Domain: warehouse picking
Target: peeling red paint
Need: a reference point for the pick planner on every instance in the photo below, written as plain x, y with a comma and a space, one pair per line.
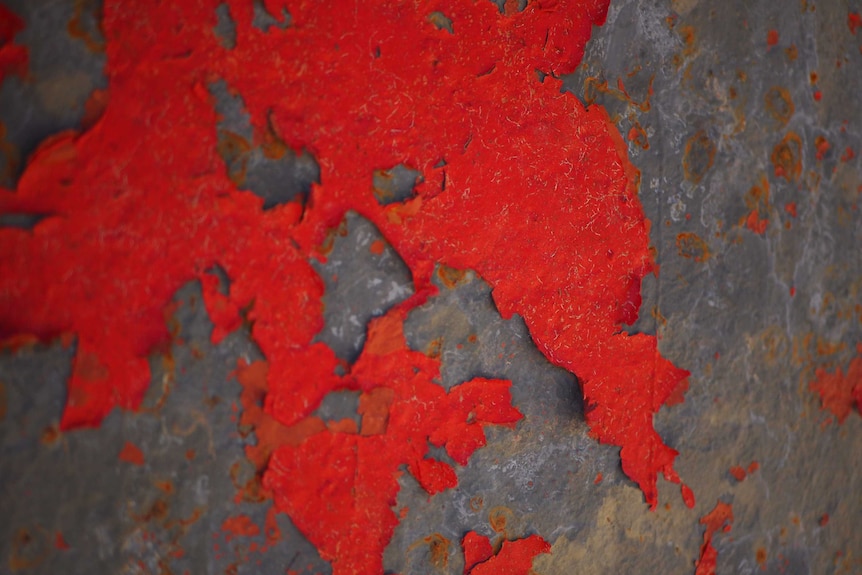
514, 557
141, 202
720, 518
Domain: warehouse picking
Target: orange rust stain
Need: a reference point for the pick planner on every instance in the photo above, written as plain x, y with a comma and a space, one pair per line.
50, 434
638, 135
165, 486
439, 548
779, 104
792, 52
499, 518
737, 472
450, 277
385, 334
476, 503
699, 156
131, 453
377, 247
75, 28
598, 478
691, 246
345, 425
787, 157
374, 409
269, 433
29, 549
760, 555
593, 86
234, 150
752, 467
757, 201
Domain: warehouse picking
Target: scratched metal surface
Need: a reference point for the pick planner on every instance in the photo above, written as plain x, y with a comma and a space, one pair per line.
712, 124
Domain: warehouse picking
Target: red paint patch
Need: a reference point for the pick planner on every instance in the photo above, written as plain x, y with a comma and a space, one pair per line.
848, 154
514, 558
854, 21
790, 208
772, 38
131, 453
13, 58
737, 472
60, 542
720, 518
687, 496
838, 392
125, 240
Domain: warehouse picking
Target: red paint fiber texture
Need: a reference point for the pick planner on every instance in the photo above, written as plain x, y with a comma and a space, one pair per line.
519, 182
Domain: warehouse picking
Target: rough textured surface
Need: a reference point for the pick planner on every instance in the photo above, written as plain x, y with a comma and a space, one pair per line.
752, 309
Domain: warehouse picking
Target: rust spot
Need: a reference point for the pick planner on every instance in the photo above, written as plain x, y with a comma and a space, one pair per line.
476, 503
165, 486
779, 104
699, 156
787, 157
50, 434
638, 135
450, 277
761, 557
234, 150
78, 30
499, 517
435, 348
593, 86
792, 52
29, 549
439, 547
690, 246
